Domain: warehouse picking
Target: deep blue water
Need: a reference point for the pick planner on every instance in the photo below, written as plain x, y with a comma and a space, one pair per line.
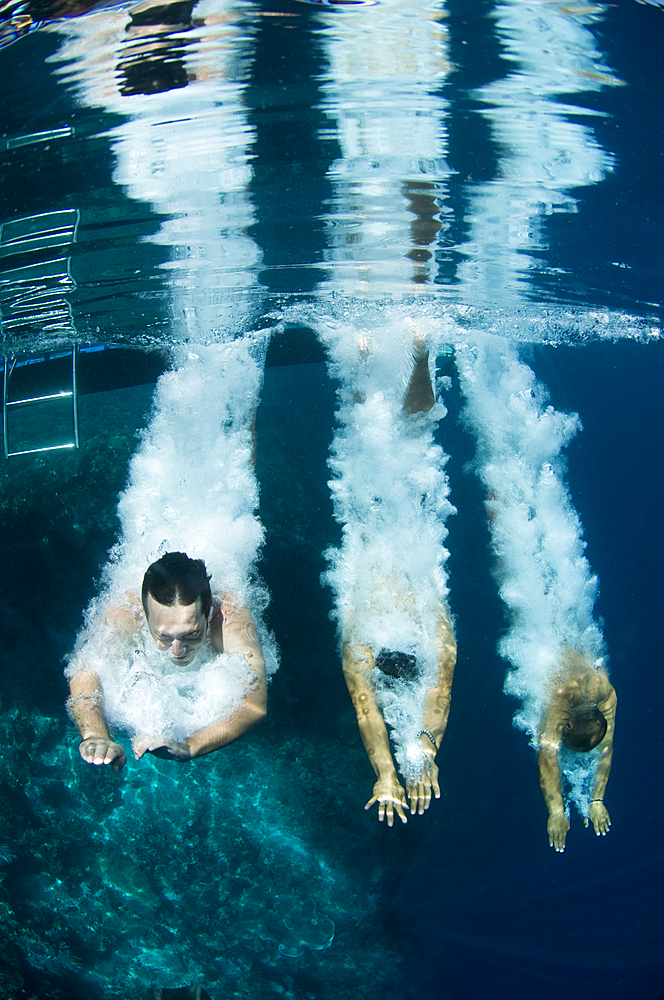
206, 872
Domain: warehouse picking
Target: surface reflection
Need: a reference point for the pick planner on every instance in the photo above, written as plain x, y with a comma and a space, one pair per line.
184, 146
382, 96
543, 156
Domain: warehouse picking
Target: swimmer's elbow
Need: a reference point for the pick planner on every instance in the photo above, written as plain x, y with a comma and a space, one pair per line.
443, 701
365, 709
548, 749
83, 681
259, 712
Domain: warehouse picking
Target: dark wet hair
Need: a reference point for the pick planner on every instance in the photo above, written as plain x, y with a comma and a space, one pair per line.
397, 666
177, 579
584, 729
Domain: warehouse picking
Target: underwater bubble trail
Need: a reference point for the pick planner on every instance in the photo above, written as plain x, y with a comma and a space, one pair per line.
544, 576
390, 494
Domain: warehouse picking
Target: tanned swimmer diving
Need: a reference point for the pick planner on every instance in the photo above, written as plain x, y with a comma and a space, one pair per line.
362, 666
580, 714
179, 617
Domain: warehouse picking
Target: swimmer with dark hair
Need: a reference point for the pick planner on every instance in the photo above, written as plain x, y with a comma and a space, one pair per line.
179, 617
580, 715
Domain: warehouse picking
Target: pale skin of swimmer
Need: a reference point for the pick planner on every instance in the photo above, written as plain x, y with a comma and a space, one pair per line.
358, 662
578, 684
388, 791
180, 631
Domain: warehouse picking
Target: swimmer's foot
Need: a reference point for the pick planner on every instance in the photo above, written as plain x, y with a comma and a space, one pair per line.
420, 340
420, 397
365, 345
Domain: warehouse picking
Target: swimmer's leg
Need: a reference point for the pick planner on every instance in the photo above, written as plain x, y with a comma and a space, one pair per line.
420, 397
364, 345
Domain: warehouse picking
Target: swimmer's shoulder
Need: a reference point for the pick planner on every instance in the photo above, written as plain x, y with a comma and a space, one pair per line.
594, 686
224, 607
606, 697
582, 682
227, 607
563, 692
571, 681
126, 617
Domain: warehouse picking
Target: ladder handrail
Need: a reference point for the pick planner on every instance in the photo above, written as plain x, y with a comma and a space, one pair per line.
8, 369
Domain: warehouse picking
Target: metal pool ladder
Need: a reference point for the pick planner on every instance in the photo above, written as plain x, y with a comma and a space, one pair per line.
68, 395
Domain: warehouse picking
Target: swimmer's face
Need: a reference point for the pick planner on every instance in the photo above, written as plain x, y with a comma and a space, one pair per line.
179, 630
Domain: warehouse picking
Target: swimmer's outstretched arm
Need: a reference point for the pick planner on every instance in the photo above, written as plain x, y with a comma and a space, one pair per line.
85, 705
387, 791
436, 713
549, 739
233, 631
205, 741
598, 813
549, 776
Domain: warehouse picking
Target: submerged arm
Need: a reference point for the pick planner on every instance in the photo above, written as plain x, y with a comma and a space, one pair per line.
549, 777
436, 713
550, 735
598, 812
238, 636
85, 705
387, 792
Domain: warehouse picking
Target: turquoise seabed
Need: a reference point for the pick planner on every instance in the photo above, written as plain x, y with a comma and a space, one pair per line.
204, 180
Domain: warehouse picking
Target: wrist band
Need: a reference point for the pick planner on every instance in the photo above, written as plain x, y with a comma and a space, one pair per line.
425, 732
596, 800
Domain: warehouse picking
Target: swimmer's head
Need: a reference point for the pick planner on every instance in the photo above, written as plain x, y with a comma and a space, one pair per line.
584, 729
176, 599
177, 579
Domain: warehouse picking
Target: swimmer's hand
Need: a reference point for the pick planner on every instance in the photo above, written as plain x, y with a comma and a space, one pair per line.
557, 827
419, 792
389, 795
166, 749
100, 750
600, 818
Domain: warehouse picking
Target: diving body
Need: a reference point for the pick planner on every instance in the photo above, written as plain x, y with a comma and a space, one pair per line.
417, 705
422, 783
580, 714
184, 622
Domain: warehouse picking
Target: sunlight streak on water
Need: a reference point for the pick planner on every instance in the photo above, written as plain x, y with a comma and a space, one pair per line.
543, 156
399, 222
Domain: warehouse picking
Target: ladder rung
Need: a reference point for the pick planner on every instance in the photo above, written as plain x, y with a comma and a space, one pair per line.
63, 394
34, 451
39, 399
